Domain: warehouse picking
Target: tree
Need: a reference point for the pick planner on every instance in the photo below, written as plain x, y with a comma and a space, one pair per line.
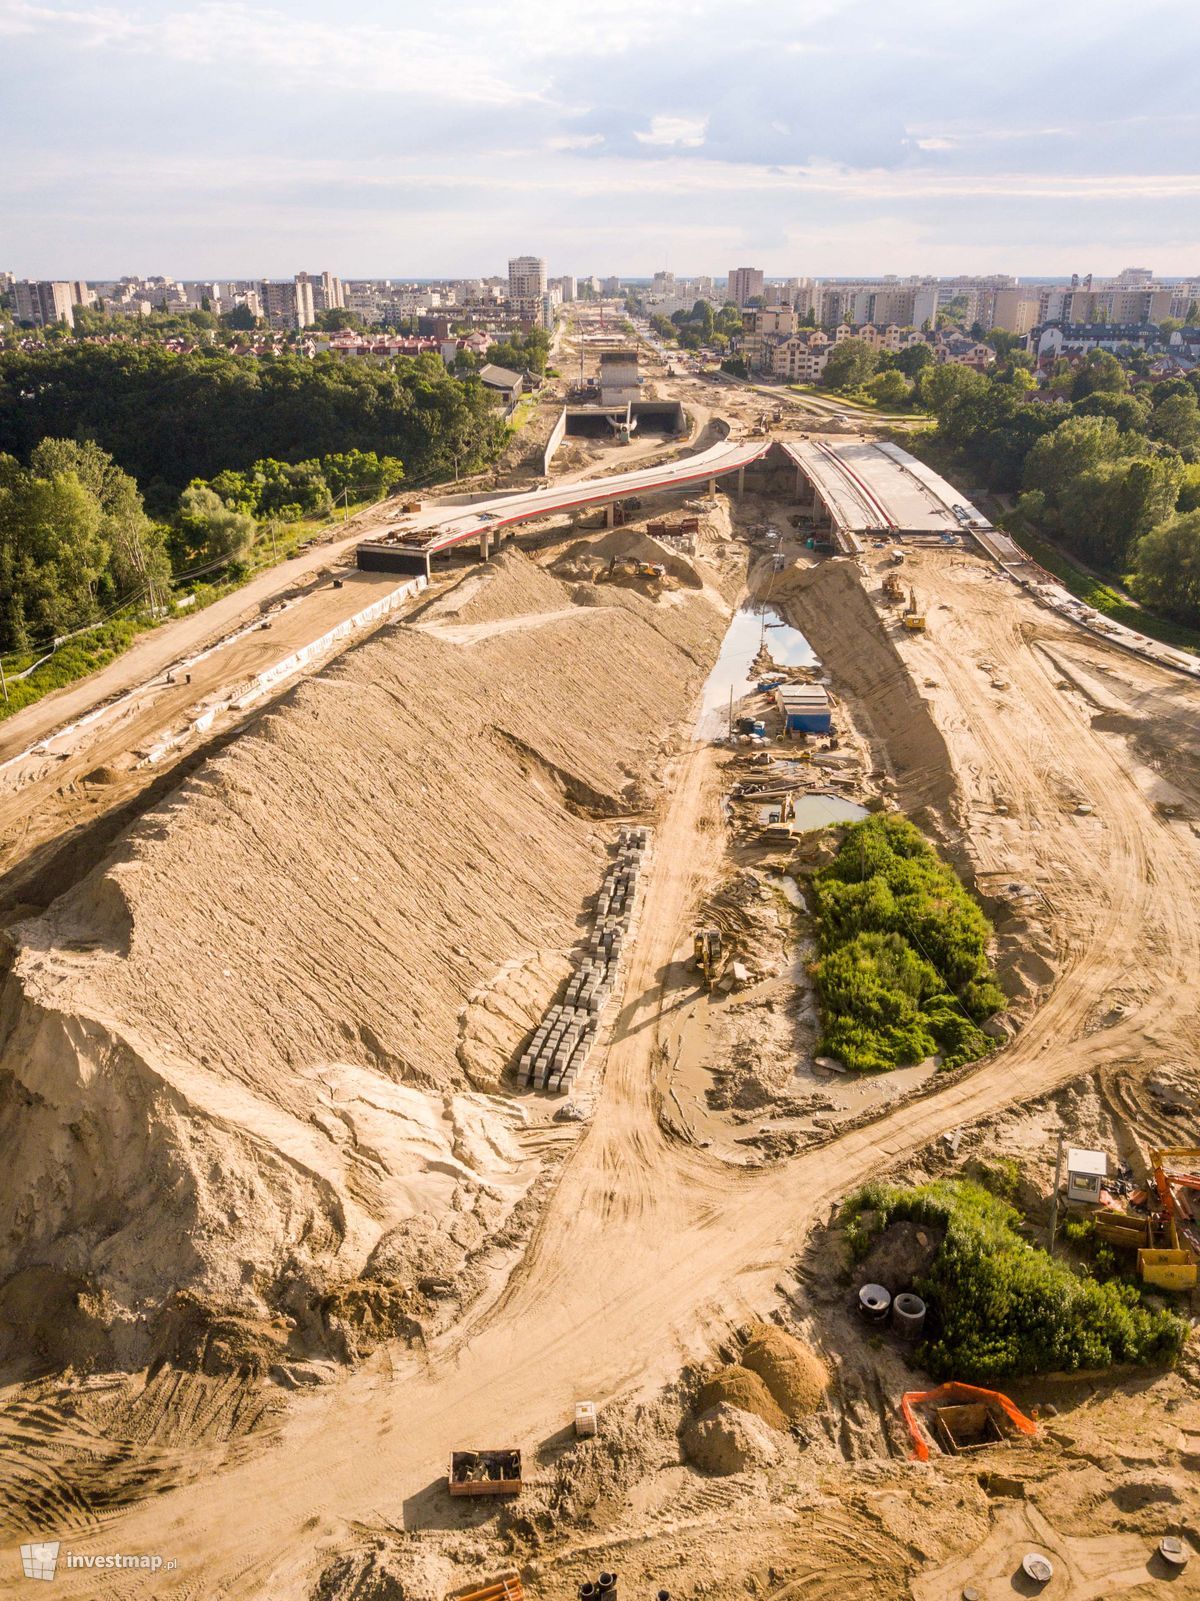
209, 530
53, 554
849, 364
337, 319
913, 359
1109, 507
1073, 448
1100, 370
1176, 421
1130, 412
941, 386
1189, 489
1166, 568
889, 388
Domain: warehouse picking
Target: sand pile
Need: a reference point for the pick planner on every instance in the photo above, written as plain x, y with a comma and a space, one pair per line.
739, 1387
726, 1439
238, 1056
834, 612
795, 1376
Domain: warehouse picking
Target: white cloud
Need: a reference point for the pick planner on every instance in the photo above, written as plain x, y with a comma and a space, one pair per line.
937, 144
574, 141
684, 133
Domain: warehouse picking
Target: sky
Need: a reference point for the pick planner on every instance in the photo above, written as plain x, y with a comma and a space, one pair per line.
220, 138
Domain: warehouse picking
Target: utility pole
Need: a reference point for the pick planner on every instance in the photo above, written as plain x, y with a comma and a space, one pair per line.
1054, 1197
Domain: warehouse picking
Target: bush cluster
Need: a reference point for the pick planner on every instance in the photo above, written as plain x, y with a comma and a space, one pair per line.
999, 1307
902, 971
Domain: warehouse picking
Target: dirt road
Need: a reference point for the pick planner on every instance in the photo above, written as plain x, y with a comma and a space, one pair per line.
650, 1249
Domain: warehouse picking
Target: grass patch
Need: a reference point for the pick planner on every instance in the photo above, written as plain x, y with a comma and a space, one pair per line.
999, 1307
860, 402
1095, 592
73, 661
902, 972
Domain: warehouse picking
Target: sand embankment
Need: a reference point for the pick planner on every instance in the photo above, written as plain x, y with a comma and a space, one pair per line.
254, 1052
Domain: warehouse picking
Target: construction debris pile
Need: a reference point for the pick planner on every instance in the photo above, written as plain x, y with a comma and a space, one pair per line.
565, 1036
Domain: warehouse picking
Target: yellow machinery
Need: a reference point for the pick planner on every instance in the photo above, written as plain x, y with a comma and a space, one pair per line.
707, 947
913, 620
893, 589
1170, 1266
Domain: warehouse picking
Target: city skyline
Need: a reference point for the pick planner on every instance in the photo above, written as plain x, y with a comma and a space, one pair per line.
231, 139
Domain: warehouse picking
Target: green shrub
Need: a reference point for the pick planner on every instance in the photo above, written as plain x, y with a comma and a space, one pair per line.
903, 970
999, 1307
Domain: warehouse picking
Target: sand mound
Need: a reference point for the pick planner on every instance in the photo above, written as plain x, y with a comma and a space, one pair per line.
795, 1375
727, 1440
740, 1388
624, 544
237, 1057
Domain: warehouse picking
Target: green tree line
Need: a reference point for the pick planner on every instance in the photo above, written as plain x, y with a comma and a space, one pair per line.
1110, 471
167, 419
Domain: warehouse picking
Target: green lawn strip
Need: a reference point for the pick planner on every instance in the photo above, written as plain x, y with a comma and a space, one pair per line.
1093, 591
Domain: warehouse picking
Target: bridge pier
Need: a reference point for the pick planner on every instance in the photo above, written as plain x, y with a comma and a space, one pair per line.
484, 545
609, 516
712, 486
741, 488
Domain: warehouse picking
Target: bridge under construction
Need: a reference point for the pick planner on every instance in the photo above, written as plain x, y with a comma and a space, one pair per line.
854, 488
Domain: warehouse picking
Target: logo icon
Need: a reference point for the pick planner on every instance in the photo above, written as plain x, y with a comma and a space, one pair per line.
39, 1559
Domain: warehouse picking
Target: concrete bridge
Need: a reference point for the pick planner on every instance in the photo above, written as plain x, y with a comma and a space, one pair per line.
854, 487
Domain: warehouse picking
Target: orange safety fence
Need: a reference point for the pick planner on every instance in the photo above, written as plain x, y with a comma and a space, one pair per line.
972, 1392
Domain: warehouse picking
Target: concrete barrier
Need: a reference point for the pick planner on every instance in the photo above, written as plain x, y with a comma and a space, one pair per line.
554, 441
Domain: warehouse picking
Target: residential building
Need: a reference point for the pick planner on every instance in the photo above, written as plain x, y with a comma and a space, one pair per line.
44, 303
762, 329
611, 288
960, 351
527, 284
1015, 310
503, 381
744, 285
289, 305
925, 305
801, 357
568, 288
328, 293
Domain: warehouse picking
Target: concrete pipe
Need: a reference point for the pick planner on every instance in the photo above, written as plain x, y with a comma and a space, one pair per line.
908, 1315
874, 1303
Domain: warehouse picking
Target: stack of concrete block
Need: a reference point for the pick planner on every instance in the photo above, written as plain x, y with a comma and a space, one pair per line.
560, 1046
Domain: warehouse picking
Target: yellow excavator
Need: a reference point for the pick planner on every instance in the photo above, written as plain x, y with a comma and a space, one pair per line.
913, 619
1171, 1266
707, 950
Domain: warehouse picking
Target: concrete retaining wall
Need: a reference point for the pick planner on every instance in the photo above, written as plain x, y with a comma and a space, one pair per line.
555, 440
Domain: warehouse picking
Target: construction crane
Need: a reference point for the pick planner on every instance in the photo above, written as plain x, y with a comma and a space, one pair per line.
707, 949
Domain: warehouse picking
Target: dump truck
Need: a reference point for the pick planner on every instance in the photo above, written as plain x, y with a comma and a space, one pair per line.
485, 1472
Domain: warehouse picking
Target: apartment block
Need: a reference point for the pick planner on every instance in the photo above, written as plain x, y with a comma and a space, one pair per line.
44, 303
745, 284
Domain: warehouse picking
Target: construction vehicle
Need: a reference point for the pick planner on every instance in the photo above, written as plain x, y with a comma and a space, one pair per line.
485, 1473
1171, 1265
707, 951
893, 589
896, 555
913, 620
651, 569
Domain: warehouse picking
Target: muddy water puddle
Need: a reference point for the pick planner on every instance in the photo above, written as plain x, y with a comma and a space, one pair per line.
751, 628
